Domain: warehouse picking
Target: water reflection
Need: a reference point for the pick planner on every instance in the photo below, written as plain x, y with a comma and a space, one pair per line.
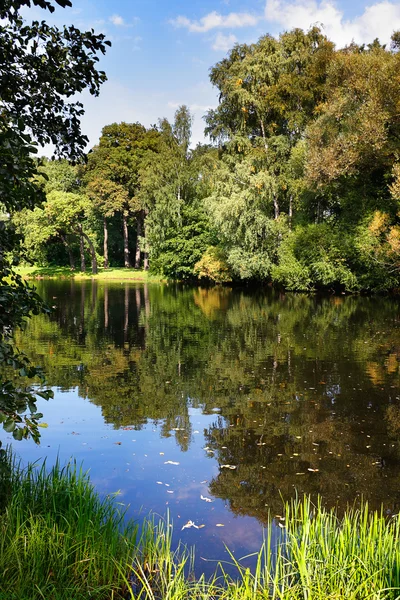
302, 392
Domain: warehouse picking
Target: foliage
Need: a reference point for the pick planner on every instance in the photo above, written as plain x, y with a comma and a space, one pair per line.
305, 152
176, 225
41, 68
213, 266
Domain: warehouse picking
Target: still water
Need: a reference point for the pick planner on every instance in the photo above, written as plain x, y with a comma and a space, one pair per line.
215, 403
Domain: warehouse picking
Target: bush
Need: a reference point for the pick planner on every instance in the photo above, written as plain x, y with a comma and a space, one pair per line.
213, 266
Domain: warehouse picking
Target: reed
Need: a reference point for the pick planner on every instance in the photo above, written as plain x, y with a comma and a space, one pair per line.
318, 556
60, 541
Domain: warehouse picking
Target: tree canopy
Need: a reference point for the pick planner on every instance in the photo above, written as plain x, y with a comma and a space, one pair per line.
42, 67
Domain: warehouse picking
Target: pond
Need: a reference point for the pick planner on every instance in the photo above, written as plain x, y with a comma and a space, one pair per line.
215, 403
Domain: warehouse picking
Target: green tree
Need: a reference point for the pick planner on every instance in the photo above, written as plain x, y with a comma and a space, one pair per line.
41, 68
172, 187
268, 93
112, 177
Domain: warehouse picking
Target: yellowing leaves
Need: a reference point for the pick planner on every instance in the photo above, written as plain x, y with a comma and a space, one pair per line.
379, 222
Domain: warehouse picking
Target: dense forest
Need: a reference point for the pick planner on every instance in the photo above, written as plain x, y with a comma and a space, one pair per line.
300, 185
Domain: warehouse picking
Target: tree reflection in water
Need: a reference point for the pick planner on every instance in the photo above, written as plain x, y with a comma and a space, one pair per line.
306, 388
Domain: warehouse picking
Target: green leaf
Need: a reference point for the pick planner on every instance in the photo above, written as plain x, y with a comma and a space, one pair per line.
18, 434
9, 425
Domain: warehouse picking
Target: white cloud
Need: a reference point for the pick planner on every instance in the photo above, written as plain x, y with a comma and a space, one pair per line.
117, 20
224, 42
215, 20
378, 20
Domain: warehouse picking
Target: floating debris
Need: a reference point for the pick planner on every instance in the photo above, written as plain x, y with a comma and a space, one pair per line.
159, 482
312, 470
205, 498
219, 525
170, 462
190, 524
228, 467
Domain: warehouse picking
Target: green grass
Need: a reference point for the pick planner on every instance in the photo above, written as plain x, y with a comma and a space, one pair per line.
319, 557
59, 541
111, 274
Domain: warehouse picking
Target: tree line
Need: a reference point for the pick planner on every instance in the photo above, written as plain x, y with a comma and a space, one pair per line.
300, 185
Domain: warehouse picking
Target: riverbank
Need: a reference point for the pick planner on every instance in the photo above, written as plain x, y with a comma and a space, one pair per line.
111, 274
60, 540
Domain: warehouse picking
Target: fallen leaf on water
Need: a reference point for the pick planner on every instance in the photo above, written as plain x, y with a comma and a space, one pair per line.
190, 524
170, 462
205, 498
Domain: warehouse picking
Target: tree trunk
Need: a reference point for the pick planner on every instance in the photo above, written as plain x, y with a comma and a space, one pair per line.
92, 252
290, 211
105, 246
264, 136
71, 256
127, 260
276, 207
91, 249
138, 235
82, 251
146, 254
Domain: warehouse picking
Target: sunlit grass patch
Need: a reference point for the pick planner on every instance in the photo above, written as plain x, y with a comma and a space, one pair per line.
113, 273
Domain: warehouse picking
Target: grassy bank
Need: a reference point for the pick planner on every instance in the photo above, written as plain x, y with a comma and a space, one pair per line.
59, 541
111, 274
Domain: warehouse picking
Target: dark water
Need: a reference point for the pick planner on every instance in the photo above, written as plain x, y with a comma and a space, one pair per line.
294, 393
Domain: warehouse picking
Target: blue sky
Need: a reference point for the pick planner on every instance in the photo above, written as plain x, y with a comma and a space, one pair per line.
162, 49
